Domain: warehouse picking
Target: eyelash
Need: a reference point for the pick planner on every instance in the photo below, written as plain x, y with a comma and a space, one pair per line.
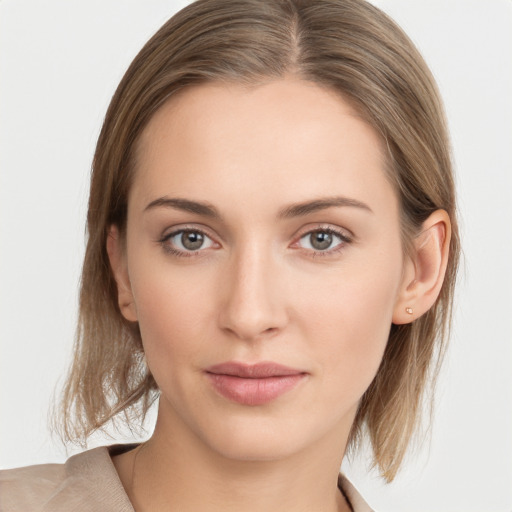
337, 248
315, 253
176, 252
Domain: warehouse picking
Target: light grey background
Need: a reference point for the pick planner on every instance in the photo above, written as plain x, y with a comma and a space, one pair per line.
60, 61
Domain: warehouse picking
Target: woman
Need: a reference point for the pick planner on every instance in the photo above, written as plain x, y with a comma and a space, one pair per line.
272, 253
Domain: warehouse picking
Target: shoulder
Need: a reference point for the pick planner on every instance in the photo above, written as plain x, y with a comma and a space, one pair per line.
86, 482
353, 496
21, 487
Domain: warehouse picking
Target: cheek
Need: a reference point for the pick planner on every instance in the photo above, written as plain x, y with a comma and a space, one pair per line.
173, 313
339, 318
349, 321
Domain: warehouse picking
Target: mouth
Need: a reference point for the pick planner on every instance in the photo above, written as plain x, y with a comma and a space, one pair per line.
253, 384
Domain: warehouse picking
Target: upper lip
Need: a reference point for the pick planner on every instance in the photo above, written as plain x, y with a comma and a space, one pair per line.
253, 371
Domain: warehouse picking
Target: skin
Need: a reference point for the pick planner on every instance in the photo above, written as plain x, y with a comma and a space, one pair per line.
258, 290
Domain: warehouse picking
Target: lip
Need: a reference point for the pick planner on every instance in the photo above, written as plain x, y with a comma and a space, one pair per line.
253, 384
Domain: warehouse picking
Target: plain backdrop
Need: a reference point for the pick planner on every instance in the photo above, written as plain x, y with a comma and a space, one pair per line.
60, 61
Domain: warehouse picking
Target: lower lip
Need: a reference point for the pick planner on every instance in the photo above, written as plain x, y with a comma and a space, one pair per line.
253, 391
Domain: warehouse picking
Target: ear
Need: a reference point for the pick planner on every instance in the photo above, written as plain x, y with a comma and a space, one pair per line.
117, 257
424, 270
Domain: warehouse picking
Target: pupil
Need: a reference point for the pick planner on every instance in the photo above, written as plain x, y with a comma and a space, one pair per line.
192, 240
321, 240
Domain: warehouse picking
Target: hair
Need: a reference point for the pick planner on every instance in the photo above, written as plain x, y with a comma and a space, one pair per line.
348, 46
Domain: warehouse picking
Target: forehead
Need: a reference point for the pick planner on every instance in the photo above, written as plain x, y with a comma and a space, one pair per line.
285, 141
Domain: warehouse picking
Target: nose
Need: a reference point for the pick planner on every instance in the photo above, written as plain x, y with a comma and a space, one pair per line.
253, 304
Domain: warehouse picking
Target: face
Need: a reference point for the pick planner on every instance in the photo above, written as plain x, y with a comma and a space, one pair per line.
263, 263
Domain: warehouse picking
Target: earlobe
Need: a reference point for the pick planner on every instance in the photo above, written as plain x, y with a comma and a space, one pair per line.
117, 258
425, 269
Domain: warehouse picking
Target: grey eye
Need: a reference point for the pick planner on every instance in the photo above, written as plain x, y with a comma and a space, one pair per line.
320, 240
190, 240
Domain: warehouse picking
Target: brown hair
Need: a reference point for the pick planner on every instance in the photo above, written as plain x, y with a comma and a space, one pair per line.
348, 46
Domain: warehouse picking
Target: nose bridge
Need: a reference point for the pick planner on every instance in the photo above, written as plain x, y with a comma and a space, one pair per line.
252, 302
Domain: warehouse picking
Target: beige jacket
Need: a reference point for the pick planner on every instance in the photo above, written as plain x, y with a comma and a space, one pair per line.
87, 482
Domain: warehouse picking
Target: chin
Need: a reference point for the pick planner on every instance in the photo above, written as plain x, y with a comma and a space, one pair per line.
256, 448
261, 439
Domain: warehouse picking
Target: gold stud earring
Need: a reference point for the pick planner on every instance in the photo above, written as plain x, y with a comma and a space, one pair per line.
409, 311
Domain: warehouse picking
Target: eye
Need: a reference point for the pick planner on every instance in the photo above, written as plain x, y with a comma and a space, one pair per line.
187, 241
323, 240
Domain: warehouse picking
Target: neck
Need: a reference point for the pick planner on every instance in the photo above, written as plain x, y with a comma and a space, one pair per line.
176, 471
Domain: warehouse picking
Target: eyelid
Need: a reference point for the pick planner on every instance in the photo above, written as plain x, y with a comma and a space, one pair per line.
337, 230
175, 230
345, 235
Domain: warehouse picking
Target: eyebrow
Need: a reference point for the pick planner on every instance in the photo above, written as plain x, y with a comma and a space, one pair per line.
201, 208
307, 207
294, 210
